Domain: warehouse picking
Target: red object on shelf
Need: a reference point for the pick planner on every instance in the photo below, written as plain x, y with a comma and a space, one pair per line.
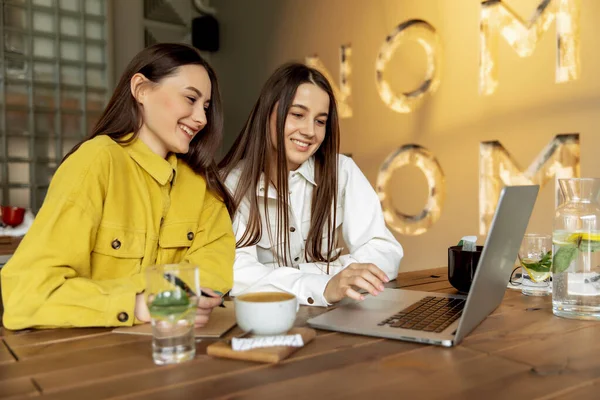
12, 216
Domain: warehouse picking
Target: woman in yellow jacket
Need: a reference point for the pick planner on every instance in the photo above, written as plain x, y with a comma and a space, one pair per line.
142, 189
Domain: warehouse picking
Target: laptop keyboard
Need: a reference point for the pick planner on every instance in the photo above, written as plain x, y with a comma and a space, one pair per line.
430, 314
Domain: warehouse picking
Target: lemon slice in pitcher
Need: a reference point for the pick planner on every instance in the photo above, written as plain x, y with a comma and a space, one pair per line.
584, 241
576, 237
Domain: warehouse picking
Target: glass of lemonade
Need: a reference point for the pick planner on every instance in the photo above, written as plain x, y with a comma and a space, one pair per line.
535, 258
172, 298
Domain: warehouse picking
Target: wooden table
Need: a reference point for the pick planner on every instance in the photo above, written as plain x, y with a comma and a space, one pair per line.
520, 352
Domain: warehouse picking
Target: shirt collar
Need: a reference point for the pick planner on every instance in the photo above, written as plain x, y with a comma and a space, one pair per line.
306, 170
163, 171
262, 188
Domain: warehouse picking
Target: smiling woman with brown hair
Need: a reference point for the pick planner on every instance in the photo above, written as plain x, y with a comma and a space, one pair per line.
294, 193
142, 189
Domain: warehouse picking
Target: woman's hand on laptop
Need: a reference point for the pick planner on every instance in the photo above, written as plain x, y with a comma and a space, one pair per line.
352, 278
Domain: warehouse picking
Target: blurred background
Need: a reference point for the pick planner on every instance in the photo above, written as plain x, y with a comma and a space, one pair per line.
60, 59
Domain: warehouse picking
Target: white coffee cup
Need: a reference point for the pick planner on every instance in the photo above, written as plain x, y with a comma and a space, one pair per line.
266, 313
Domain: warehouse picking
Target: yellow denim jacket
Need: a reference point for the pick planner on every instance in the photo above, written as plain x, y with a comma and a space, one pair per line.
111, 211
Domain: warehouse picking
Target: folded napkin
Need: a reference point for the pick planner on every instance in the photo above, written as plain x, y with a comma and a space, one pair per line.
244, 344
468, 243
19, 230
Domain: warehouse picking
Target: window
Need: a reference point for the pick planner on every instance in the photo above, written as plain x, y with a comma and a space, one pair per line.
53, 80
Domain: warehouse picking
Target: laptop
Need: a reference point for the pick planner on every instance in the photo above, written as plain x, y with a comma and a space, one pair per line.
441, 318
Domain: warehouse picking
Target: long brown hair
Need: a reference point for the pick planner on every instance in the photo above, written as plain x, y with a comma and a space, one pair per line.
253, 148
123, 115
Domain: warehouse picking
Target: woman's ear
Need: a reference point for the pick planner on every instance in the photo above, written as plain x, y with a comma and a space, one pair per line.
138, 86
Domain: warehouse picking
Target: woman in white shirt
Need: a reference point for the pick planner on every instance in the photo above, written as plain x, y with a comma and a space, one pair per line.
295, 194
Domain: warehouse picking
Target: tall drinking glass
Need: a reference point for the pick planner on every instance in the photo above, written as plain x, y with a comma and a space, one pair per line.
172, 297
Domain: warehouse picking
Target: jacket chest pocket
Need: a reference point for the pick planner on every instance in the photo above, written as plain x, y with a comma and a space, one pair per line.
177, 235
339, 246
118, 252
267, 250
339, 217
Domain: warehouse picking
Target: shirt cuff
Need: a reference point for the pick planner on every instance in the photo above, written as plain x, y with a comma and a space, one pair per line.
121, 307
313, 289
121, 311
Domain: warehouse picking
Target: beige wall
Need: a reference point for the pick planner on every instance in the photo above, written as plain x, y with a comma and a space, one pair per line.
127, 32
525, 113
127, 29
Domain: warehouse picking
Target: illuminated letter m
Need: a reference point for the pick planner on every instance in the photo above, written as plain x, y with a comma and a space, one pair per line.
498, 19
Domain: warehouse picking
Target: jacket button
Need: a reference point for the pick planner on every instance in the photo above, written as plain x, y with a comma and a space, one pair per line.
190, 235
292, 229
122, 317
116, 244
296, 259
310, 300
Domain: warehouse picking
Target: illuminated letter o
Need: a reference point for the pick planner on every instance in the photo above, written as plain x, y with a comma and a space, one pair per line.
423, 159
426, 35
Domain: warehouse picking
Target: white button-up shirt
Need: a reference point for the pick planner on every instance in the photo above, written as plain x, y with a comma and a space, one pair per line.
359, 217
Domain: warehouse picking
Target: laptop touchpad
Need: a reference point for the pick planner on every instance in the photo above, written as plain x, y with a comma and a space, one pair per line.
374, 304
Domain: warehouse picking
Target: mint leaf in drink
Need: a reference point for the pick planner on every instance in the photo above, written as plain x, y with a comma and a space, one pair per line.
543, 265
171, 298
170, 303
563, 258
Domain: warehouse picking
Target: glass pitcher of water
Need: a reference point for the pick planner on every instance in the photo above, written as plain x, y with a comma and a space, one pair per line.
576, 249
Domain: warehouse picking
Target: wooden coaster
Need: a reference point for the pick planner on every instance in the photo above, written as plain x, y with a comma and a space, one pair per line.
265, 354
